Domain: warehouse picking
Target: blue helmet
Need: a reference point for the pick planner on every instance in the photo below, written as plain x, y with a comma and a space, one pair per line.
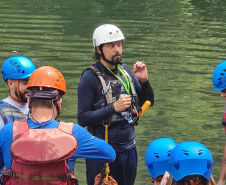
190, 158
157, 154
219, 77
17, 67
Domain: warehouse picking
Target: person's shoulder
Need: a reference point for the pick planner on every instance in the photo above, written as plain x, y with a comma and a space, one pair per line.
6, 128
8, 101
88, 72
5, 101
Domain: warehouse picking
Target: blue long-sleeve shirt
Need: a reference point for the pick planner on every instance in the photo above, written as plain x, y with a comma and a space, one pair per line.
89, 146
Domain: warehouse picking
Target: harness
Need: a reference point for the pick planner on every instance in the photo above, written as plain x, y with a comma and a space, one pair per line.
39, 156
108, 94
10, 113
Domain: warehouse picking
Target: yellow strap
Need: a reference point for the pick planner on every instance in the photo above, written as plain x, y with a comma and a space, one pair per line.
18, 91
107, 171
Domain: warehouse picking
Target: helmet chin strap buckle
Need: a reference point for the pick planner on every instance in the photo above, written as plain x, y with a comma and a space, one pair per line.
224, 123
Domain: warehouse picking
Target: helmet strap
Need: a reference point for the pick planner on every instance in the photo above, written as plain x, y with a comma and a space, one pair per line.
104, 58
19, 100
17, 89
54, 101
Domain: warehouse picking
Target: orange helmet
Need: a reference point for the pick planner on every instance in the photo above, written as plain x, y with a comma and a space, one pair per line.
48, 77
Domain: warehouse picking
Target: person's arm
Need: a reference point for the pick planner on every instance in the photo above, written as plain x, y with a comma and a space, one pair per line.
143, 88
90, 147
222, 178
87, 93
1, 122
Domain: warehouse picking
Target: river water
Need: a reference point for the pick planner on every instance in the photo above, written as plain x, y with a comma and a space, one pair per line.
181, 42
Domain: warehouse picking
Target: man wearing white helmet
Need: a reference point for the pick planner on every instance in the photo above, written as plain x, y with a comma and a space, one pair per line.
107, 90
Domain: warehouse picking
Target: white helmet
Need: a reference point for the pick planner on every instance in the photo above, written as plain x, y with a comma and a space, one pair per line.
107, 33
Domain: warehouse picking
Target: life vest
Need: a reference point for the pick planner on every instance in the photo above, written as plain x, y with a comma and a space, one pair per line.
39, 156
112, 90
10, 113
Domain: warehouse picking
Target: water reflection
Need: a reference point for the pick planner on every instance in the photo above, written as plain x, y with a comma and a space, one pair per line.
180, 41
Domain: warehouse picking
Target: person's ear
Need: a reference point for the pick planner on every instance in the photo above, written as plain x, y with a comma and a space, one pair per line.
59, 103
98, 49
9, 83
28, 102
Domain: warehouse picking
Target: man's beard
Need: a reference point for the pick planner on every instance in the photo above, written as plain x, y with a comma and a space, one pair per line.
22, 96
116, 61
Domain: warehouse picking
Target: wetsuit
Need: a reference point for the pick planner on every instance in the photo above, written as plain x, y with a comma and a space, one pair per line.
88, 145
93, 110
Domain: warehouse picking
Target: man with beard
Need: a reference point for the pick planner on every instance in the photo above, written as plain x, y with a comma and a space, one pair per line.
106, 90
16, 72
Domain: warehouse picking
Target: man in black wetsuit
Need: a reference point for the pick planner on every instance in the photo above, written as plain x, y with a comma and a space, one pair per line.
100, 102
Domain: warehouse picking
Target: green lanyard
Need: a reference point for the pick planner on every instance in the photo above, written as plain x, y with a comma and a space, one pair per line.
121, 71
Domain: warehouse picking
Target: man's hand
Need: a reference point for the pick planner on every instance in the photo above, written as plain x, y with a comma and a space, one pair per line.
123, 103
140, 71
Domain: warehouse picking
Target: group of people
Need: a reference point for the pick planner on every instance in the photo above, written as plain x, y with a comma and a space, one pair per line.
186, 163
35, 148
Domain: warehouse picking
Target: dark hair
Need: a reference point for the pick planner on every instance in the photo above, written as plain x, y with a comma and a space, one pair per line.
47, 103
96, 55
171, 181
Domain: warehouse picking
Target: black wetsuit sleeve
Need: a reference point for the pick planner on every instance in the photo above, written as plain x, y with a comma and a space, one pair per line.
87, 92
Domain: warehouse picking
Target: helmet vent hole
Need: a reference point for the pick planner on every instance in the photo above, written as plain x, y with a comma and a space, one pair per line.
222, 74
156, 155
17, 66
110, 33
224, 70
185, 152
150, 166
200, 152
169, 152
23, 71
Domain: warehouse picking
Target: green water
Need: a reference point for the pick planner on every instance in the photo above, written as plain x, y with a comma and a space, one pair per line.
181, 42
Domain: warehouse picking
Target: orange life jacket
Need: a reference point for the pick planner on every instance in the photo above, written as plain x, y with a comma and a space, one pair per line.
39, 156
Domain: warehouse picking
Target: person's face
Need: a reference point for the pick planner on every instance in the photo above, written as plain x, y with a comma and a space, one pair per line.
223, 94
19, 89
113, 51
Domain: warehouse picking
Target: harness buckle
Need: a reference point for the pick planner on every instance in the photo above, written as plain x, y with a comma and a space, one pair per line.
12, 175
135, 121
65, 177
107, 122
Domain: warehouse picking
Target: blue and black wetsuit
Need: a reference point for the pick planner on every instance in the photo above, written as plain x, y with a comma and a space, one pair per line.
93, 111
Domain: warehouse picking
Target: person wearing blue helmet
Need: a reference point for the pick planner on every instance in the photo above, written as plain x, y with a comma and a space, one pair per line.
156, 159
16, 72
190, 163
219, 83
